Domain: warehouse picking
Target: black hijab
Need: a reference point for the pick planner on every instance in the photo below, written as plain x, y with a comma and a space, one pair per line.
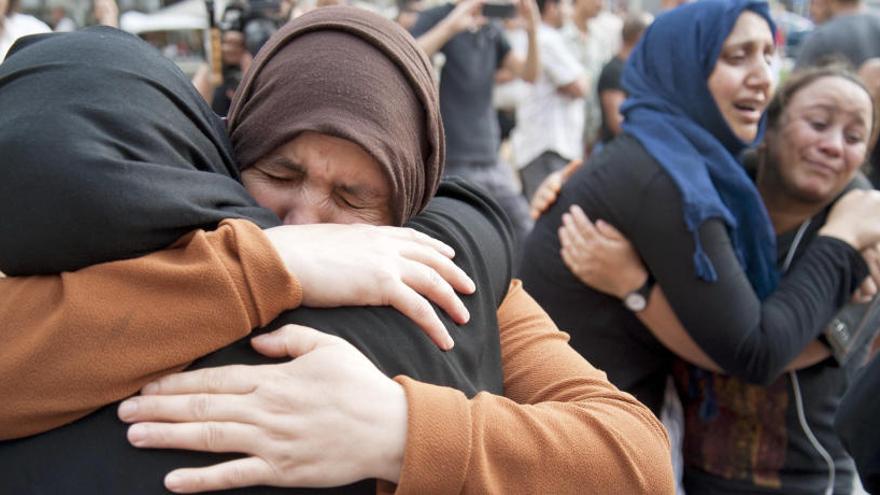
106, 152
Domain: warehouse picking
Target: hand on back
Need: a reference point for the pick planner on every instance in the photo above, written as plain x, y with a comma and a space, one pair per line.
599, 255
327, 418
366, 265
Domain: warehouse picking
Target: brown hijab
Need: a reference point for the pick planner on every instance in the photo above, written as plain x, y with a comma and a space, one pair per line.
351, 74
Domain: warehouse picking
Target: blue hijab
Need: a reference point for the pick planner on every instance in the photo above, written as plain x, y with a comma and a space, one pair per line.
673, 115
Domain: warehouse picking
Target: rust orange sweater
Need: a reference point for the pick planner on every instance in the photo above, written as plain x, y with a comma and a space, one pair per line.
78, 341
562, 427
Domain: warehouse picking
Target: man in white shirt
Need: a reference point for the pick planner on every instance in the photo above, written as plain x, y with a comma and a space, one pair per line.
550, 119
593, 36
14, 25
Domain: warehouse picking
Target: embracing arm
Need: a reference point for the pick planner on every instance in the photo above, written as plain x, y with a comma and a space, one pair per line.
745, 336
149, 316
561, 427
602, 258
77, 341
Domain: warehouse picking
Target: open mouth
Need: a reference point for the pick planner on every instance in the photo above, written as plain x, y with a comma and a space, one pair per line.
750, 110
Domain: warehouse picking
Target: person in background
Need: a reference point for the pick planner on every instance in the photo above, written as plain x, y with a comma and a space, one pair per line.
60, 20
870, 74
550, 116
592, 36
408, 13
852, 32
609, 90
671, 4
106, 13
611, 96
820, 11
235, 58
509, 89
14, 25
856, 424
475, 48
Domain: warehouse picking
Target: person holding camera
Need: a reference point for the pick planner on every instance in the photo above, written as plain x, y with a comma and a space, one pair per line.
550, 119
475, 49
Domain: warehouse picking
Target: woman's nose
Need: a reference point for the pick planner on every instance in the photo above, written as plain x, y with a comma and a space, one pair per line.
302, 215
832, 143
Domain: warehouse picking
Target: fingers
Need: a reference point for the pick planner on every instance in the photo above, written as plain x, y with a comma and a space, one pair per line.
449, 273
608, 230
546, 195
578, 221
185, 408
292, 341
571, 168
442, 264
204, 437
873, 259
568, 257
421, 238
235, 379
239, 473
415, 307
429, 284
866, 291
578, 236
542, 200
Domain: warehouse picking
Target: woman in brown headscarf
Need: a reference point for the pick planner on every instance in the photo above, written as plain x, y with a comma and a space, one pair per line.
338, 76
560, 427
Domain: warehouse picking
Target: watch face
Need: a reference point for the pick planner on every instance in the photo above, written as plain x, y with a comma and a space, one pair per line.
635, 302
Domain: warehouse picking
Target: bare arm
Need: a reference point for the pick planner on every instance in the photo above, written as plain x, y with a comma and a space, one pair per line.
465, 15
202, 81
611, 100
106, 12
574, 89
529, 68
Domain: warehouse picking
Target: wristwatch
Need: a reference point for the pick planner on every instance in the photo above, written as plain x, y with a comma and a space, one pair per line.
637, 300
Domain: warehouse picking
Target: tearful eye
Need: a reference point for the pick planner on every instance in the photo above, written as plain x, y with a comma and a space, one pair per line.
854, 138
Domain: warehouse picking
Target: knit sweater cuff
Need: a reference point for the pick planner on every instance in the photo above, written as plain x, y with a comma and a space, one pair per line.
439, 418
264, 283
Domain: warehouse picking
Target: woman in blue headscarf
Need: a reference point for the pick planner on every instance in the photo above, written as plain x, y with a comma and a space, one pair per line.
698, 84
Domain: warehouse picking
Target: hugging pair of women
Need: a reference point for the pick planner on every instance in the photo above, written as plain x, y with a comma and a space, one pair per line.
110, 155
